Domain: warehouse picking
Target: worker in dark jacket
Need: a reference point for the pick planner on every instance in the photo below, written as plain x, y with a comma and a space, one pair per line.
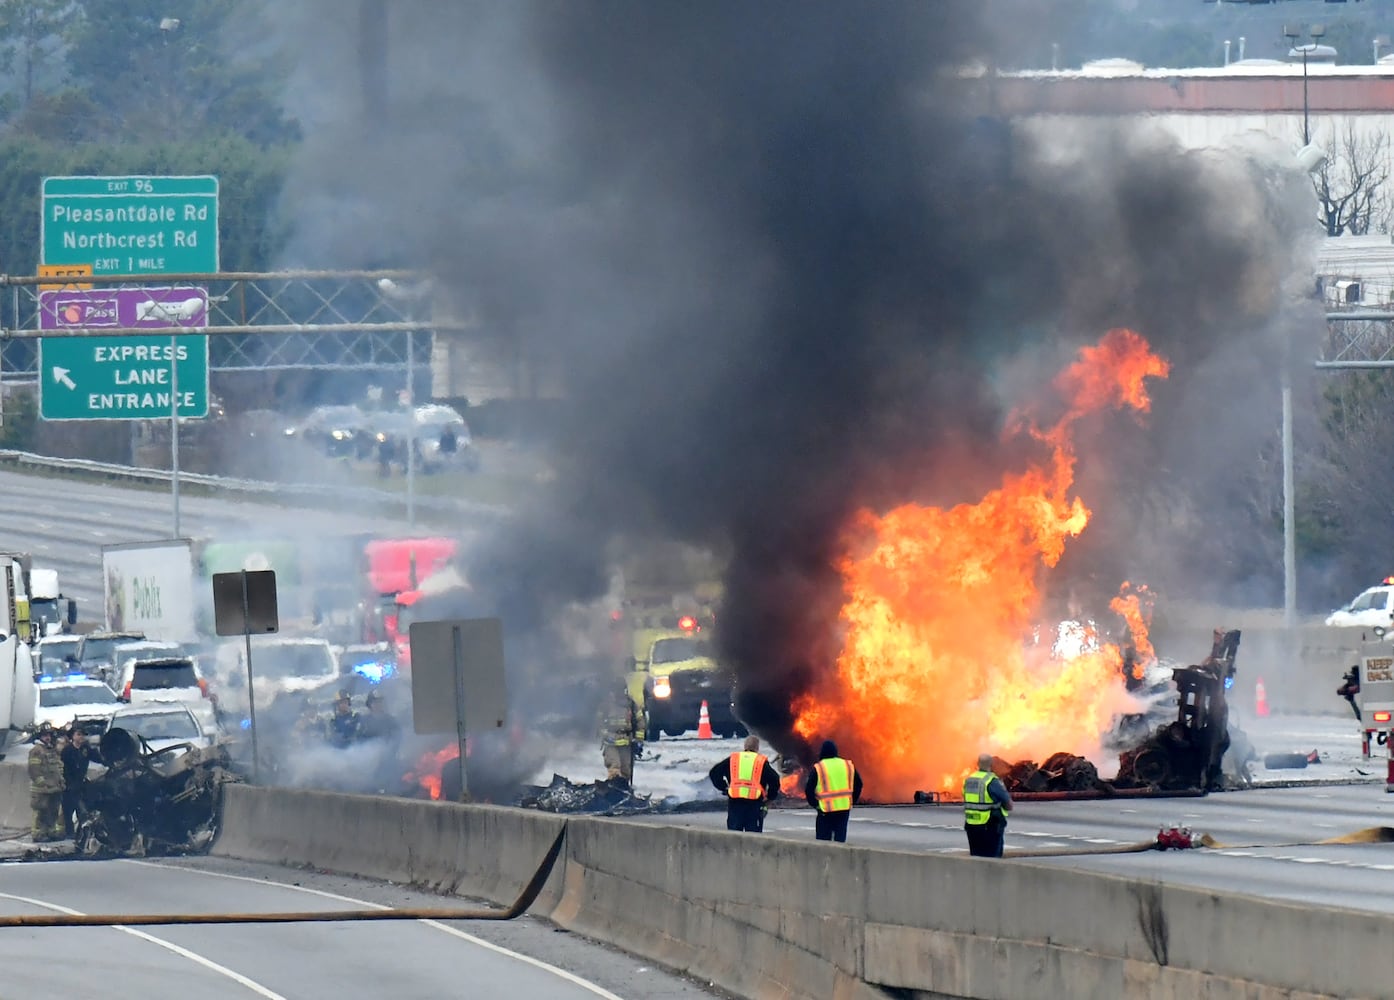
750, 783
986, 803
1350, 687
833, 788
76, 754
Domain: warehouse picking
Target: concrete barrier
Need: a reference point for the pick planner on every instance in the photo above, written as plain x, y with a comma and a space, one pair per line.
769, 918
1300, 667
14, 791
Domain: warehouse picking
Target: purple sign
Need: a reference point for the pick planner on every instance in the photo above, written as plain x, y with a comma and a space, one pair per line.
124, 308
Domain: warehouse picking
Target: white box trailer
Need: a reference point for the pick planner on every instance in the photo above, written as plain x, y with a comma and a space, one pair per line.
16, 664
149, 587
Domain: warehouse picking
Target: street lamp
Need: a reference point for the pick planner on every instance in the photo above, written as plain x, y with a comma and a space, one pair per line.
1310, 159
1292, 34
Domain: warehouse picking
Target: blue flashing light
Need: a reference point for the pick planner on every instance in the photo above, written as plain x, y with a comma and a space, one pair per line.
45, 679
375, 671
1229, 683
77, 677
246, 724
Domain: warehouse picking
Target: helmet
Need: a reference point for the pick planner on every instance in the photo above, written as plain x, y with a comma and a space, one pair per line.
343, 695
46, 729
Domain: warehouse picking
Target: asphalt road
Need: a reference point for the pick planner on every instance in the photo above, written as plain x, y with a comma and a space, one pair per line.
64, 523
399, 959
1258, 826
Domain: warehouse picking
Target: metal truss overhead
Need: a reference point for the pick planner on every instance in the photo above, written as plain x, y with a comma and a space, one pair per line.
335, 320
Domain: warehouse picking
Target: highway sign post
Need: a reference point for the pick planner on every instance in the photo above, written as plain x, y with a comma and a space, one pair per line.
127, 377
131, 225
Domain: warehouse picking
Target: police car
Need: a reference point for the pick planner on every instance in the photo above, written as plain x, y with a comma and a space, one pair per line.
1371, 608
59, 700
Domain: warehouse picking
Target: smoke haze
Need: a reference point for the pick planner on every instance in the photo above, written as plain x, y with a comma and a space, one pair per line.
789, 266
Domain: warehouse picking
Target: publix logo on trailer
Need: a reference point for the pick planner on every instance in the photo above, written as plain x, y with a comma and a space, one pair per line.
145, 597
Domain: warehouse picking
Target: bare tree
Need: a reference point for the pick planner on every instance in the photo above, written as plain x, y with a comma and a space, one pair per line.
1352, 185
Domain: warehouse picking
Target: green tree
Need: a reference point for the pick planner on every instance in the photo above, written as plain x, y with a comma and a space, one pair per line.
31, 35
166, 70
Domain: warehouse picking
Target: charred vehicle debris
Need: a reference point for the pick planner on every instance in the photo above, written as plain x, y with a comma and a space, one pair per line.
167, 801
1178, 746
151, 802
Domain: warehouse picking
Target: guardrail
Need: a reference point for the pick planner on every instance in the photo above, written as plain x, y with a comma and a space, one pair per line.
358, 495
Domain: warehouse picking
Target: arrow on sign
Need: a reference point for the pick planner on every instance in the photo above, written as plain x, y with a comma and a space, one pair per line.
60, 375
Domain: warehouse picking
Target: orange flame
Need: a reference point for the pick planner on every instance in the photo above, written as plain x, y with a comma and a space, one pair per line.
427, 772
1135, 607
934, 667
792, 784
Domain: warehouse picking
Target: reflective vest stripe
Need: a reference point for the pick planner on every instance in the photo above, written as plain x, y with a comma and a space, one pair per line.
836, 777
978, 807
746, 770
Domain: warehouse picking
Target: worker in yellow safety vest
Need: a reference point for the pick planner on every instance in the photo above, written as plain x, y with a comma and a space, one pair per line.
986, 803
750, 783
833, 788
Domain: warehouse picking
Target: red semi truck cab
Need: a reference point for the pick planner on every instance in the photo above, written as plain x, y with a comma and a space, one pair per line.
394, 567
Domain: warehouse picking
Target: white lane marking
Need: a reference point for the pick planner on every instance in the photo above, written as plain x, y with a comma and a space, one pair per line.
572, 978
192, 956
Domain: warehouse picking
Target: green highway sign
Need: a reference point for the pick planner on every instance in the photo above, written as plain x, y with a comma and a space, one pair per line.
131, 225
127, 376
122, 378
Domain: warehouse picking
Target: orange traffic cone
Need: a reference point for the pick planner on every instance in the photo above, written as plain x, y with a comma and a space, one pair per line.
1260, 699
704, 724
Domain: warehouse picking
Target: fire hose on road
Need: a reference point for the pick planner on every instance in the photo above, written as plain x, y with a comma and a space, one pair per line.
1181, 838
519, 906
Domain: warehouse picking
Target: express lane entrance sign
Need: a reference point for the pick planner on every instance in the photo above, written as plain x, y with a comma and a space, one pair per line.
131, 225
128, 377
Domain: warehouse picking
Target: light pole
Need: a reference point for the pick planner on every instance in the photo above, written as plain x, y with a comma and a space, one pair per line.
169, 25
1310, 159
1292, 34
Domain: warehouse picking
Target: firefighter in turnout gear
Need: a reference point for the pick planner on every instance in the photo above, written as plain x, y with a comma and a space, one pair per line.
986, 803
341, 728
833, 788
619, 741
750, 783
46, 786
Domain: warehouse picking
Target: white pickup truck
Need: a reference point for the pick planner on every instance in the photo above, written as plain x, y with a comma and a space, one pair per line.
1371, 607
280, 664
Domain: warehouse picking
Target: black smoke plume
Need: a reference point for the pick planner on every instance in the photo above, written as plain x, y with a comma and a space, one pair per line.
790, 260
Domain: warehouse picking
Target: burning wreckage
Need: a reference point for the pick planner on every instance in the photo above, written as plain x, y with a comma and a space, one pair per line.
1183, 754
152, 802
